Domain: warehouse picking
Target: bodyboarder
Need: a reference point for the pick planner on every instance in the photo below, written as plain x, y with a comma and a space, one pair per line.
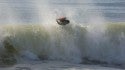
62, 21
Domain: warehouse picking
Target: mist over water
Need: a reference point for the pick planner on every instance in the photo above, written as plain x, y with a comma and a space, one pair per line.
24, 11
33, 34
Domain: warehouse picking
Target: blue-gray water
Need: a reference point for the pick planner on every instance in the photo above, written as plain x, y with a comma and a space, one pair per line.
27, 11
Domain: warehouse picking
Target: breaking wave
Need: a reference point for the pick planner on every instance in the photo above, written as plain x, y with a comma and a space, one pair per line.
72, 43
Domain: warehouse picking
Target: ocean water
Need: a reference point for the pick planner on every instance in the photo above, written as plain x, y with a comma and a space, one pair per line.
35, 11
30, 38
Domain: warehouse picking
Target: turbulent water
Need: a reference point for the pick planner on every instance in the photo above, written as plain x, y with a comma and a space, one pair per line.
72, 43
96, 34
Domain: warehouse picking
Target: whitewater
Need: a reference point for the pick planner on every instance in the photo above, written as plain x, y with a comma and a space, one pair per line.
30, 38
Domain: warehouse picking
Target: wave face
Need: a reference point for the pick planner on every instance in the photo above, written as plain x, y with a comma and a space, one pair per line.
70, 43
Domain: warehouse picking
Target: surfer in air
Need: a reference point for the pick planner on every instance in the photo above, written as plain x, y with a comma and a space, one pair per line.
62, 21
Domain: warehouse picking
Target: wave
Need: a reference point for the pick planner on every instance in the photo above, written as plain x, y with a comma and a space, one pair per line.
72, 43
